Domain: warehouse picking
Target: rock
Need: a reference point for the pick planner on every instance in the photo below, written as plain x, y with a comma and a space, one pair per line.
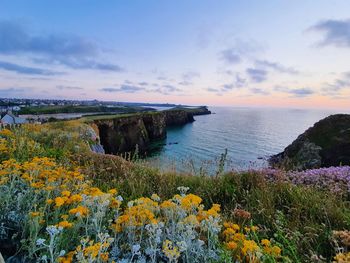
178, 117
325, 144
122, 134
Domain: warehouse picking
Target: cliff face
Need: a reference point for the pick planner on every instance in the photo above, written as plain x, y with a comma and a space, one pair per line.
325, 144
121, 134
178, 117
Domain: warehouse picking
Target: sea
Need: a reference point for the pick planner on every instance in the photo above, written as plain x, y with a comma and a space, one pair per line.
248, 136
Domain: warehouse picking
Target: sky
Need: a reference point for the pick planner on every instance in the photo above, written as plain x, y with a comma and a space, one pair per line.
272, 53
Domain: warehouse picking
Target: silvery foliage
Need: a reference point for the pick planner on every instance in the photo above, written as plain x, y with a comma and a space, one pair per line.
185, 236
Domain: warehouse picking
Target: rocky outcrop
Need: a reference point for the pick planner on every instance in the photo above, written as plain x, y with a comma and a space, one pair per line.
201, 110
126, 132
177, 117
325, 144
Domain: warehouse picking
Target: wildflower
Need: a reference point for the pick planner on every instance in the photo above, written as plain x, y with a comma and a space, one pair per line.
190, 201
34, 214
265, 242
40, 241
112, 191
49, 201
59, 201
232, 245
170, 250
155, 197
66, 193
342, 257
240, 213
136, 249
53, 230
79, 211
65, 224
104, 257
66, 259
183, 190
249, 247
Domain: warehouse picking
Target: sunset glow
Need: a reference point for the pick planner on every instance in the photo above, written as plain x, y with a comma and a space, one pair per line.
236, 53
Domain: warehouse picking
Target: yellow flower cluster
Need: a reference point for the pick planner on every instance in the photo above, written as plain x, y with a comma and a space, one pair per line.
171, 251
342, 257
243, 248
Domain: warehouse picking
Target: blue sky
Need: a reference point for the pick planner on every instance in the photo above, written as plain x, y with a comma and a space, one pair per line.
258, 53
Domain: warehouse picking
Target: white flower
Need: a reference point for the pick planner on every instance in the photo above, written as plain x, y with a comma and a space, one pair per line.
40, 242
120, 198
62, 253
183, 190
53, 230
136, 249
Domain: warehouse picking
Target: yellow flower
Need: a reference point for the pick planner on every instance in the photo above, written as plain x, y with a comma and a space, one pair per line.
232, 245
34, 214
249, 247
112, 191
59, 201
276, 251
104, 257
66, 193
65, 224
266, 242
67, 259
64, 217
190, 201
170, 251
167, 204
49, 201
79, 211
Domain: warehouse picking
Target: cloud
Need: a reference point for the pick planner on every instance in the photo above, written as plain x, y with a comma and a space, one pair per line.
257, 75
239, 50
230, 56
68, 88
79, 63
296, 92
164, 89
14, 38
187, 78
27, 70
123, 89
276, 67
68, 50
335, 32
338, 85
302, 92
259, 91
213, 90
13, 91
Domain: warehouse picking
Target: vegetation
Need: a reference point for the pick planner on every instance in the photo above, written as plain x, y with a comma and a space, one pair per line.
80, 109
73, 205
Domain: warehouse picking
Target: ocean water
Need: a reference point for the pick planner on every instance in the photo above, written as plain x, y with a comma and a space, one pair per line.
250, 136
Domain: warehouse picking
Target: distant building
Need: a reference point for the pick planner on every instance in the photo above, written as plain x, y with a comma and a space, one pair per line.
16, 108
9, 118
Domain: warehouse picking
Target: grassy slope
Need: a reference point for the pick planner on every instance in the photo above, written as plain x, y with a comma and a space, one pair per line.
76, 109
302, 217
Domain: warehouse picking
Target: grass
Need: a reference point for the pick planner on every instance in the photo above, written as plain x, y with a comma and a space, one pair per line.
79, 109
300, 218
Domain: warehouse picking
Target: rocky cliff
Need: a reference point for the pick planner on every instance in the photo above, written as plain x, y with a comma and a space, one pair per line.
177, 117
121, 134
325, 144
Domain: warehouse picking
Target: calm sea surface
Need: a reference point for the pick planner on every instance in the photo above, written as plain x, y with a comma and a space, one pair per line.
250, 135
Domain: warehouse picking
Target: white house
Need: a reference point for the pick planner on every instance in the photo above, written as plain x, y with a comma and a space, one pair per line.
9, 118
